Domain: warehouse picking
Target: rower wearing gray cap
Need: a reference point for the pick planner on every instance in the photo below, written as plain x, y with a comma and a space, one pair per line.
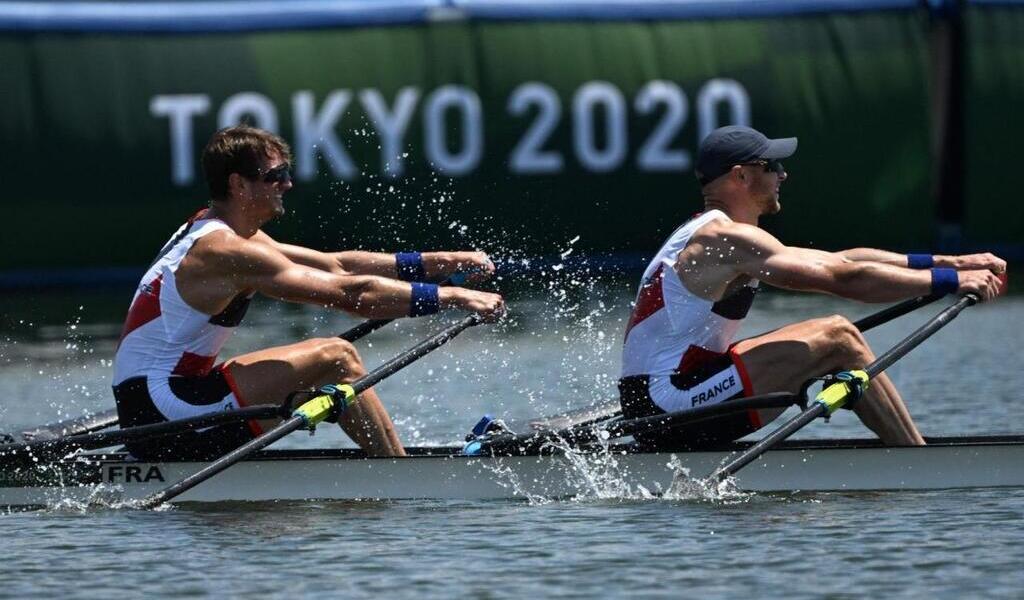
679, 351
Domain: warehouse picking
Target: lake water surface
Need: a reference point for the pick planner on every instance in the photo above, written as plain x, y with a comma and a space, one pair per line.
559, 350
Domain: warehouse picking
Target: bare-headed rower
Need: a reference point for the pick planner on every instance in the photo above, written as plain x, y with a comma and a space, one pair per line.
679, 352
198, 289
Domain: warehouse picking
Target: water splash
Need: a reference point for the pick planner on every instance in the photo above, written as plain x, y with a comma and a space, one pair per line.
603, 474
686, 487
508, 478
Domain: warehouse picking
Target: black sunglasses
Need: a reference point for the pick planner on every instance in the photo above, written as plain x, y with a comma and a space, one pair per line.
279, 174
769, 166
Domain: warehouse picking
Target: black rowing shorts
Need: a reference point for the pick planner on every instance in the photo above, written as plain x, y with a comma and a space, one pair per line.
135, 407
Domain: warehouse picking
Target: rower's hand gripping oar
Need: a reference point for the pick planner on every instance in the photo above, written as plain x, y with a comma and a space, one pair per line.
312, 412
849, 386
367, 327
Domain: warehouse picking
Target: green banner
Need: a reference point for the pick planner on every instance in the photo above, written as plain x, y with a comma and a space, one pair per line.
518, 138
994, 97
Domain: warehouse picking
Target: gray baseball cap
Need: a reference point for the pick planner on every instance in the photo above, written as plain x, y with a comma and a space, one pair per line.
736, 145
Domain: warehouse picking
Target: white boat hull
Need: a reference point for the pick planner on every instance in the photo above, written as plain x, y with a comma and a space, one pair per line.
850, 465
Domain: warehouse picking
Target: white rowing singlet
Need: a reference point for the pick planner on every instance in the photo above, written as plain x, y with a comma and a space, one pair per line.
163, 336
668, 320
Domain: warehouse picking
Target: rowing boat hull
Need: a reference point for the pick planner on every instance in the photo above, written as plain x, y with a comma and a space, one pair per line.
443, 473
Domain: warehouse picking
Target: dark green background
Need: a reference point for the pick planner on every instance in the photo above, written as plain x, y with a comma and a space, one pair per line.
995, 124
86, 167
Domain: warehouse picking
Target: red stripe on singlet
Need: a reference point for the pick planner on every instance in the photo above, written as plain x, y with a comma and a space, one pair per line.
649, 301
193, 365
144, 308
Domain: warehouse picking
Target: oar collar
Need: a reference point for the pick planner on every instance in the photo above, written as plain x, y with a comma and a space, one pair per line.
845, 389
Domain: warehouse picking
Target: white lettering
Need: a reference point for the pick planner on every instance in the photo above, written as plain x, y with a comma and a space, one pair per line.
180, 109
528, 155
467, 103
656, 153
454, 128
391, 126
587, 99
237, 107
314, 132
710, 390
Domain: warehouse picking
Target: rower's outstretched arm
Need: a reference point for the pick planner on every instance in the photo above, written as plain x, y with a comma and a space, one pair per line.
964, 262
738, 249
436, 265
261, 267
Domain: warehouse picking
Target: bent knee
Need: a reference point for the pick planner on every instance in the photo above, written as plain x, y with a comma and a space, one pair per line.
845, 341
341, 353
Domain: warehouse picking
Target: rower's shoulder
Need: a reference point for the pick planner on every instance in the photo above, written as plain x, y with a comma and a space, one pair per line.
226, 245
724, 229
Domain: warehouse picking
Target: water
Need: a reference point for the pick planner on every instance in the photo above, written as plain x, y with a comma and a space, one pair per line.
560, 351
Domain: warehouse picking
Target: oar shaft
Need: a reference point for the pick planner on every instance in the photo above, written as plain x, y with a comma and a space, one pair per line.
413, 354
105, 439
888, 314
769, 441
68, 427
240, 453
686, 417
912, 341
363, 329
589, 433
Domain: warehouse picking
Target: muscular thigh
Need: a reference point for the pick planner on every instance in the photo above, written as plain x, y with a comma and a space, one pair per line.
268, 376
780, 361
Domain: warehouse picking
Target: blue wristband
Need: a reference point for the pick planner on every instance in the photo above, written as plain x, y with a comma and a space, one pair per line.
409, 266
425, 299
920, 261
945, 281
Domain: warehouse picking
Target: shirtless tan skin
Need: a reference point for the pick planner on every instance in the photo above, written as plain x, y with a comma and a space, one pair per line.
725, 254
223, 264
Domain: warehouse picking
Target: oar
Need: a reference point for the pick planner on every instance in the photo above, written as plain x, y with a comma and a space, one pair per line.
612, 408
333, 400
90, 441
851, 383
507, 443
897, 310
108, 418
75, 426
